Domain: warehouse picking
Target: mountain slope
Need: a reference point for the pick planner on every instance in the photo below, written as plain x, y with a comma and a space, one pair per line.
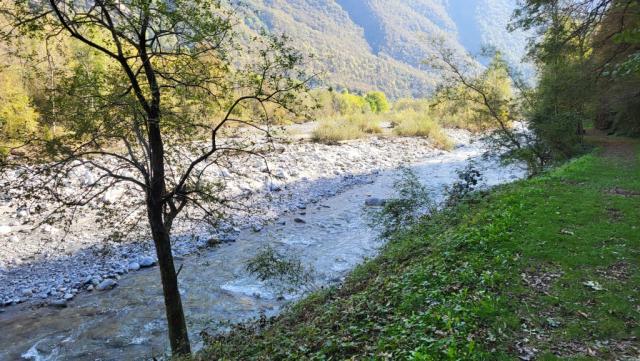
366, 45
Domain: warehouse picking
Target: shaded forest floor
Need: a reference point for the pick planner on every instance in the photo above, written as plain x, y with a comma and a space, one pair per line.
541, 269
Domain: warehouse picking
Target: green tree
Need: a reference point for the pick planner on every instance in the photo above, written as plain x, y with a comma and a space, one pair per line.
168, 67
18, 117
377, 101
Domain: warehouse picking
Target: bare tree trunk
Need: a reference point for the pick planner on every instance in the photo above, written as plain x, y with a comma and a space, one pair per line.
178, 336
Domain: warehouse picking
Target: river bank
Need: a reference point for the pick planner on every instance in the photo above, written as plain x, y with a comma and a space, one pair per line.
541, 269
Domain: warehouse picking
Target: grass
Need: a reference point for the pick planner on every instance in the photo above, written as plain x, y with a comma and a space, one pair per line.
419, 124
546, 268
354, 126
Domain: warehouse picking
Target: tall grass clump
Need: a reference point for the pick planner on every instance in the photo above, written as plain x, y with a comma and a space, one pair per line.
368, 123
334, 131
414, 124
355, 126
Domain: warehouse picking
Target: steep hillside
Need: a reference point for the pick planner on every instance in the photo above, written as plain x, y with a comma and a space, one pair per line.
378, 44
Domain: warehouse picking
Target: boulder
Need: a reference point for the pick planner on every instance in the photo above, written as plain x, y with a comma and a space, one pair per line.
146, 262
106, 284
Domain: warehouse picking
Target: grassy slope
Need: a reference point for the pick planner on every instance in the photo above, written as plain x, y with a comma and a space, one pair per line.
501, 278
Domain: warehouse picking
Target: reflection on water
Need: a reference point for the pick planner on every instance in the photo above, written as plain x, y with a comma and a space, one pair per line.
128, 322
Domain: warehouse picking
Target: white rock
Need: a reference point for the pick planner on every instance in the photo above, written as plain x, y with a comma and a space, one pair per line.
106, 284
134, 266
5, 229
146, 262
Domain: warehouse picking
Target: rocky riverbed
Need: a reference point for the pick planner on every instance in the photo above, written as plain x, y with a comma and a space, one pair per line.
125, 321
52, 263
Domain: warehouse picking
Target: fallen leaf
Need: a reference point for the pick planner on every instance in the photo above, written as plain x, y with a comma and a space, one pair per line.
583, 314
594, 285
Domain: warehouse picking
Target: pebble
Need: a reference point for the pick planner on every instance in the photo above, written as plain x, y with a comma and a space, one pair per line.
58, 303
133, 266
375, 202
299, 220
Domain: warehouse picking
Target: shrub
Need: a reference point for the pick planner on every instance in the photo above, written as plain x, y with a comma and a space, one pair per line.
417, 105
331, 132
367, 123
468, 179
283, 273
355, 126
412, 203
377, 101
351, 103
413, 124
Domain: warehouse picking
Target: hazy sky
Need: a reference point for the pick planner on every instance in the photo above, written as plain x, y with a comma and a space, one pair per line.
484, 22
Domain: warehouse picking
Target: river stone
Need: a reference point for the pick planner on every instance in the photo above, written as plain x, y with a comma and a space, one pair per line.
375, 202
134, 266
27, 292
58, 303
299, 220
106, 285
5, 229
146, 262
228, 237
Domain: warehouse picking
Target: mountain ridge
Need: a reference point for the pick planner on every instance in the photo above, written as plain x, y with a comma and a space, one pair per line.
364, 45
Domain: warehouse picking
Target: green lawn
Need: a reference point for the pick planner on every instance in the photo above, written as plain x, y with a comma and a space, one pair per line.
542, 269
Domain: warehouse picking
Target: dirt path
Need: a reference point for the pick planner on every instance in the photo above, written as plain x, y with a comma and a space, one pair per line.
621, 148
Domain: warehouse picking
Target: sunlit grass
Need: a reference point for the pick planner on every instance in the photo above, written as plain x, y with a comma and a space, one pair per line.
419, 124
355, 126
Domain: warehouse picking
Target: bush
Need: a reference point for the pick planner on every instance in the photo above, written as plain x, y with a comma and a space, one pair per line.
417, 105
468, 179
413, 124
355, 126
332, 132
283, 273
367, 123
378, 102
398, 214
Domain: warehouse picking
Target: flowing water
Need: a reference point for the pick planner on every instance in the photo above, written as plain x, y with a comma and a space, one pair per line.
127, 323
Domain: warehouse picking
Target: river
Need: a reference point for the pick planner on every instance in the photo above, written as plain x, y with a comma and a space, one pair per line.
127, 323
